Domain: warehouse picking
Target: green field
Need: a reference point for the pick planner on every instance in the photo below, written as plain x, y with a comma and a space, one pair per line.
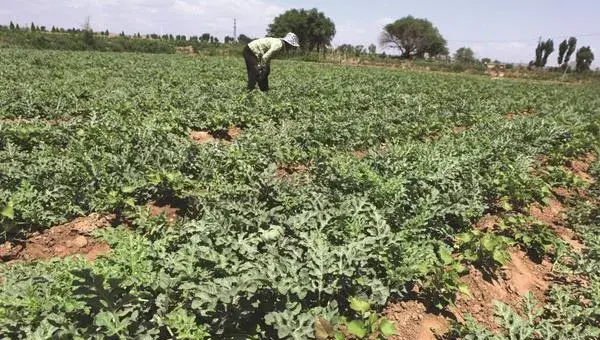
344, 182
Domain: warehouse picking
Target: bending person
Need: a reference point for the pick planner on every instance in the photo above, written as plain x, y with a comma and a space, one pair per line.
258, 55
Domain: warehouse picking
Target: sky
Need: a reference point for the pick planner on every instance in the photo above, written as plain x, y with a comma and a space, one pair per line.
507, 30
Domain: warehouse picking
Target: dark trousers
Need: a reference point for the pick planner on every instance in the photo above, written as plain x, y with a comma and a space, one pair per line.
254, 74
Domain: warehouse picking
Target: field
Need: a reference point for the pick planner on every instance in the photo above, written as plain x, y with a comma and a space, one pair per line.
151, 196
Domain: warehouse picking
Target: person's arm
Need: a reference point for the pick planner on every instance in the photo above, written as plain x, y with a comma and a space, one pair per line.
275, 47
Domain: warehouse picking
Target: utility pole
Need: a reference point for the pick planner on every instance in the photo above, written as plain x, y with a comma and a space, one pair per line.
234, 30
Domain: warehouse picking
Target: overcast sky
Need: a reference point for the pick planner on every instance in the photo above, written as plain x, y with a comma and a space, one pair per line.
506, 30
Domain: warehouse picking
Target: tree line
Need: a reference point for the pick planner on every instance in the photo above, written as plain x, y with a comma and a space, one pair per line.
583, 58
413, 38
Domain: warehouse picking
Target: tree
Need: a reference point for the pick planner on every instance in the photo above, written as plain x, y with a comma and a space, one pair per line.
572, 46
562, 49
229, 39
486, 60
11, 26
32, 28
565, 50
244, 39
465, 55
313, 28
372, 49
543, 50
584, 58
43, 28
88, 33
205, 37
414, 37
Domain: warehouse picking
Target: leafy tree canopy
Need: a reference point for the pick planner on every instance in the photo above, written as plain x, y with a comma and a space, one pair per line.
584, 58
414, 37
465, 55
314, 30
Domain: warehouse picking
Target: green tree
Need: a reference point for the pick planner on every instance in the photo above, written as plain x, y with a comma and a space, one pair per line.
88, 33
543, 50
465, 55
11, 26
244, 39
584, 58
572, 46
32, 28
562, 49
414, 37
372, 49
313, 28
565, 50
486, 60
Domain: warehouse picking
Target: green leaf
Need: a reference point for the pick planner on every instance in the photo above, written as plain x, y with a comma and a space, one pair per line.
129, 202
501, 256
339, 335
489, 243
446, 256
357, 328
464, 237
463, 288
8, 211
323, 329
359, 305
388, 328
128, 189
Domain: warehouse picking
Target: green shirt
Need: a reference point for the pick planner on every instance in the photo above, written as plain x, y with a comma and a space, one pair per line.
265, 48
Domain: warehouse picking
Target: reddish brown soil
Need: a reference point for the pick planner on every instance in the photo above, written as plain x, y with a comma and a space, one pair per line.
552, 216
580, 167
413, 322
564, 193
171, 213
72, 238
201, 137
524, 113
459, 129
287, 171
430, 137
487, 223
517, 278
359, 154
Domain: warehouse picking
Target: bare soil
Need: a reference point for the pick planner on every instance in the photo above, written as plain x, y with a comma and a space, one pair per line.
552, 216
72, 238
170, 212
523, 113
286, 171
228, 135
581, 166
360, 154
413, 322
513, 282
459, 129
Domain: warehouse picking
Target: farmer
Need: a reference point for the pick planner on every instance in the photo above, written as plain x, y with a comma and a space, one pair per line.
258, 54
